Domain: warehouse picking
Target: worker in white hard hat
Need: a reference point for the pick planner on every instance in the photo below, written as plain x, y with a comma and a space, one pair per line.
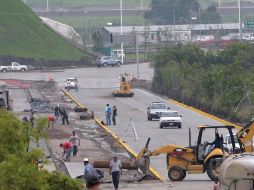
88, 168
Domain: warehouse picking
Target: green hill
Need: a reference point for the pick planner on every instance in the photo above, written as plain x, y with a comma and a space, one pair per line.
22, 34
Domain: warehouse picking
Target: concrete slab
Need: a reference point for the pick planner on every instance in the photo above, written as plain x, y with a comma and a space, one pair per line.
20, 102
75, 169
35, 93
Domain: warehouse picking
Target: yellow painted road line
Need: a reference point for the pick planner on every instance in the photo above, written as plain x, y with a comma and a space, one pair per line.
204, 113
118, 139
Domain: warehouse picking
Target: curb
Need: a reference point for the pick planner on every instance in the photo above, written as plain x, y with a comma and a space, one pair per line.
118, 139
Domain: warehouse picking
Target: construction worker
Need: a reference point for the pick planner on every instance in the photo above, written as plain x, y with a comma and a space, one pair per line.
88, 172
51, 121
32, 119
93, 182
216, 185
67, 150
114, 115
74, 139
65, 117
115, 170
108, 113
57, 110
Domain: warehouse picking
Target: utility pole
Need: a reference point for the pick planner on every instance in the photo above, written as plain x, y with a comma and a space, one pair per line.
219, 3
142, 5
47, 5
121, 15
137, 55
240, 22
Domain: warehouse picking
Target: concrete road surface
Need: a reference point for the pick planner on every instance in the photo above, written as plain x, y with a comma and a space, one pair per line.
96, 85
135, 109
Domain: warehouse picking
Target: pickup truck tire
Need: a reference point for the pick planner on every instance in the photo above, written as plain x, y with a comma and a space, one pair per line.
105, 64
4, 70
149, 118
161, 126
118, 64
22, 70
179, 126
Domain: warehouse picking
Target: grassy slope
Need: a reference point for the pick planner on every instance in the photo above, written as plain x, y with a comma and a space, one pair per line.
23, 34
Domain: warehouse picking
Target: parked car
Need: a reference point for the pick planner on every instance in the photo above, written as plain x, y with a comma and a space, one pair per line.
14, 67
155, 110
170, 119
71, 83
107, 60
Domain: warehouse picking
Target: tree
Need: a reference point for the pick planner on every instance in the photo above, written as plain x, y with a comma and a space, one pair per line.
97, 40
215, 83
172, 11
18, 167
210, 15
12, 137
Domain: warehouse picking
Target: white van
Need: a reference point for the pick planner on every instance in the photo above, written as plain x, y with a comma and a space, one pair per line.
117, 53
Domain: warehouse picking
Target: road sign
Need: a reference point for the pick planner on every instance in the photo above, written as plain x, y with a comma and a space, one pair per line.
249, 24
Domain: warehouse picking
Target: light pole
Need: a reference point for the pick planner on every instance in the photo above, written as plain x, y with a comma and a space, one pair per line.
121, 15
239, 20
142, 5
47, 5
137, 55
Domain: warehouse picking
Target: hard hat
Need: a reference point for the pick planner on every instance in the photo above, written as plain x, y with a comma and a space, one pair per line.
86, 160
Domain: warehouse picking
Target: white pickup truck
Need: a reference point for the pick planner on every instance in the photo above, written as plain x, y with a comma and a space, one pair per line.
14, 67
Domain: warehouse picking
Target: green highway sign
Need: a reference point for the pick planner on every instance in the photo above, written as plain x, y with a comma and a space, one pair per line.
249, 24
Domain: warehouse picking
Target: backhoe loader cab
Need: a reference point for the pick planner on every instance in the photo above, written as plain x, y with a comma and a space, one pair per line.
125, 87
211, 138
205, 156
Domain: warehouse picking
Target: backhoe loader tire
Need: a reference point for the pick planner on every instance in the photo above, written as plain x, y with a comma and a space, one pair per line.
176, 173
212, 172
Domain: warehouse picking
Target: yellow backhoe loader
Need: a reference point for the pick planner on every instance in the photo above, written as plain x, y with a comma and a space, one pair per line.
204, 156
125, 87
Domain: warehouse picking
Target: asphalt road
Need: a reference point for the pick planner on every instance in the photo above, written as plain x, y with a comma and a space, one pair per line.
96, 85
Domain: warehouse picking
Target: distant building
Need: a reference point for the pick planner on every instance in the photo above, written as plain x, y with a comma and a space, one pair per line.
163, 33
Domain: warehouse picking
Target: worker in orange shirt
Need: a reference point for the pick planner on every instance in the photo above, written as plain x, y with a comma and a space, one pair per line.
51, 120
